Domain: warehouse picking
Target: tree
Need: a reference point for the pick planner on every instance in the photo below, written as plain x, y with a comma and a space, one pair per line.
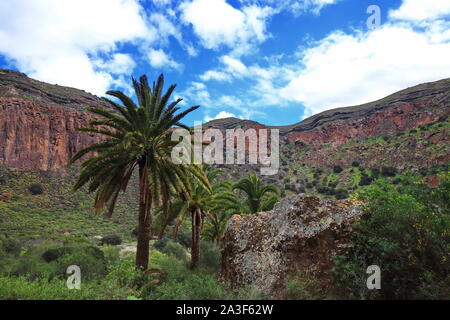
137, 137
197, 204
258, 197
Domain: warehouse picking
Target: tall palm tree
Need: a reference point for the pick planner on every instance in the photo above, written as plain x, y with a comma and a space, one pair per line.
258, 197
137, 137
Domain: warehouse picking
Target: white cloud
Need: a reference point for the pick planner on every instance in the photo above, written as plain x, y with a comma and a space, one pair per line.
220, 115
165, 28
162, 3
344, 69
297, 7
215, 75
59, 41
421, 10
217, 23
234, 66
159, 59
119, 64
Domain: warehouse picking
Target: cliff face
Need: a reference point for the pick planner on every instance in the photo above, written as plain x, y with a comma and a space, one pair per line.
38, 122
405, 110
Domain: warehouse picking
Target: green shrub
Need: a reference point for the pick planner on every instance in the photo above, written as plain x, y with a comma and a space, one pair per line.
36, 189
337, 169
112, 240
209, 255
8, 245
111, 253
303, 288
341, 194
355, 164
406, 234
161, 243
388, 171
175, 249
91, 261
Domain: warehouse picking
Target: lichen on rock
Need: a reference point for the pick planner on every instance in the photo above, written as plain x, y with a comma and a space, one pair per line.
300, 236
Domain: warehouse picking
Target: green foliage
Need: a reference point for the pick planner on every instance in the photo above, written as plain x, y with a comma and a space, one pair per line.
175, 249
210, 256
388, 171
112, 240
406, 232
36, 189
257, 196
337, 169
303, 288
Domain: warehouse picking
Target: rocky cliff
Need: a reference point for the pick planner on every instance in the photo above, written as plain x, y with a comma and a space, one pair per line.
38, 122
299, 237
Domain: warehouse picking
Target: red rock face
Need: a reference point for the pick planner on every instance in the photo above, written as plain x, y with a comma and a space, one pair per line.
40, 137
384, 122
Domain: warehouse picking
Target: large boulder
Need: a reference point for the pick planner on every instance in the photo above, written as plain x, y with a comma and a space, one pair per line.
300, 236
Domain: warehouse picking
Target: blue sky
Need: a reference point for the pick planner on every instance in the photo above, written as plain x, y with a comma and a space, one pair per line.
273, 61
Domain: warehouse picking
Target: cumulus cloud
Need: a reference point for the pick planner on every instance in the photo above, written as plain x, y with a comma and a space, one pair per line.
198, 93
120, 63
159, 59
349, 69
220, 115
60, 41
218, 23
297, 7
421, 10
215, 75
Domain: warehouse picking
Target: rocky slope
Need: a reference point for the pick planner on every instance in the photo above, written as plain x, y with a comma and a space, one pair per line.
38, 122
299, 237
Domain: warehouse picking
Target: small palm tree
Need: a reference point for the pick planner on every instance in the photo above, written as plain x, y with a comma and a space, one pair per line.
137, 137
196, 205
223, 205
258, 197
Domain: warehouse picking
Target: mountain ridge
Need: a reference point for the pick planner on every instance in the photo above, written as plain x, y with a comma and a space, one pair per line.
38, 123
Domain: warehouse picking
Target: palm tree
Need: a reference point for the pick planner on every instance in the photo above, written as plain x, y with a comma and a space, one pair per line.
196, 205
224, 204
258, 197
137, 136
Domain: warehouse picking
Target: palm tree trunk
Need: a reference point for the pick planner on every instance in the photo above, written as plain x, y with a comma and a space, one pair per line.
195, 249
143, 237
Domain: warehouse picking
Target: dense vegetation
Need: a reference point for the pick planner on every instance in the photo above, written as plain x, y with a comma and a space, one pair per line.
405, 231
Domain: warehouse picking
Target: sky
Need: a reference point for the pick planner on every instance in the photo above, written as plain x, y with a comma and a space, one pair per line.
272, 61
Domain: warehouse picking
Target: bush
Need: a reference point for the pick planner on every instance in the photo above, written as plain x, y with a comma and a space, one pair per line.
355, 164
341, 194
406, 234
304, 288
209, 255
365, 180
388, 171
161, 243
9, 246
36, 189
337, 169
175, 249
112, 240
